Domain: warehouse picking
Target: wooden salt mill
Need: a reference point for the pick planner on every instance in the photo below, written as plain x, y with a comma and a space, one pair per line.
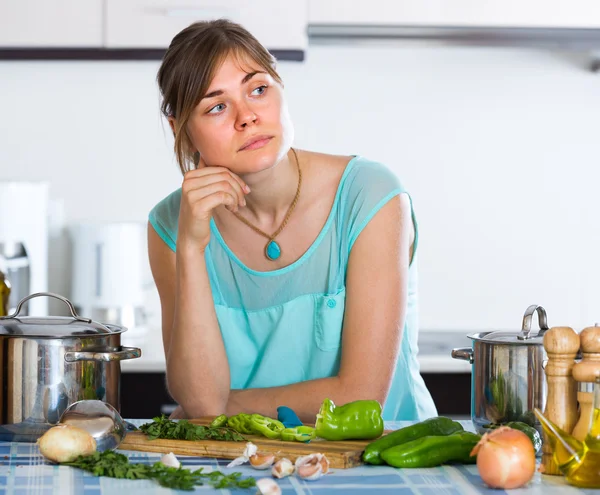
585, 373
562, 345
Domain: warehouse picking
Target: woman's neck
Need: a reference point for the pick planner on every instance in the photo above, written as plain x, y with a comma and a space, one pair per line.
272, 191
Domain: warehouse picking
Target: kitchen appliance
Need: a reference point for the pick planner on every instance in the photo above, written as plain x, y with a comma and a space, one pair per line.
507, 377
50, 362
108, 275
24, 241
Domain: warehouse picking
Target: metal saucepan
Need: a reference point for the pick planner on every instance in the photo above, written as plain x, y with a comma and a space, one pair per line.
48, 363
507, 376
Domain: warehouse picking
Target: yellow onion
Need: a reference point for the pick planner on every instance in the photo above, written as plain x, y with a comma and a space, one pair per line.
505, 458
64, 443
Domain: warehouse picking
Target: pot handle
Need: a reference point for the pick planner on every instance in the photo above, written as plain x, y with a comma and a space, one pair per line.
542, 319
124, 353
49, 294
464, 353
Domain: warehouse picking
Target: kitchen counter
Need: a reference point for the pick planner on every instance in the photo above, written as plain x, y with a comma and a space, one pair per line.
434, 353
23, 471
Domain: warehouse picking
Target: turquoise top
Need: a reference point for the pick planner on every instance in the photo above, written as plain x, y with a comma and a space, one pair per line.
285, 326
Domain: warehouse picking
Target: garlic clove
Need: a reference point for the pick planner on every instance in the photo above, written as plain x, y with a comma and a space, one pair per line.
262, 461
282, 468
170, 460
249, 451
268, 486
312, 467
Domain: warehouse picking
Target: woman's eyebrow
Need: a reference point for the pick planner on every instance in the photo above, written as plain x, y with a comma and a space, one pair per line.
219, 92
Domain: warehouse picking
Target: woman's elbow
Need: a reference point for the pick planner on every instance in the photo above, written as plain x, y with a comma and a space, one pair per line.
197, 403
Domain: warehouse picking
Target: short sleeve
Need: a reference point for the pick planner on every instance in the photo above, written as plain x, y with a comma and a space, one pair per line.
367, 187
164, 218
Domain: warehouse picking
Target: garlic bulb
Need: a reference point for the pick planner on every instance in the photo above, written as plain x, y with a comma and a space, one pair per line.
170, 460
65, 443
282, 468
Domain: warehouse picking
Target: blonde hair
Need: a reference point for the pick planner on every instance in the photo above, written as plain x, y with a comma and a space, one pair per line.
189, 65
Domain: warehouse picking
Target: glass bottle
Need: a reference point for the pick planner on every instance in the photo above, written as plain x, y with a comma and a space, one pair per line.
4, 294
578, 461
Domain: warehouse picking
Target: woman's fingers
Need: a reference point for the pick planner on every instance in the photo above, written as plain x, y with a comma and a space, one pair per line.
232, 200
224, 179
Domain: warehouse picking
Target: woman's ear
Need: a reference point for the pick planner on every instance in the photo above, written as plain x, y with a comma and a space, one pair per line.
172, 124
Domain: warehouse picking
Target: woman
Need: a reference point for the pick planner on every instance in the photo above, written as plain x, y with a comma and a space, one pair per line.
285, 276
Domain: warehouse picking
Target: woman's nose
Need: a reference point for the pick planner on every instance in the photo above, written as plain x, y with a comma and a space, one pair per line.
245, 117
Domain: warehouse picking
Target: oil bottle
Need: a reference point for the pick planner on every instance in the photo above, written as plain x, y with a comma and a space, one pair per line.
578, 461
4, 294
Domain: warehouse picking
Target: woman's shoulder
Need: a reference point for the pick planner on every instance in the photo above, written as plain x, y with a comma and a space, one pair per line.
168, 205
353, 167
164, 217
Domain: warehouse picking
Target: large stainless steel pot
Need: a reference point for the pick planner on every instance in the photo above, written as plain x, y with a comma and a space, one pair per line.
507, 379
48, 363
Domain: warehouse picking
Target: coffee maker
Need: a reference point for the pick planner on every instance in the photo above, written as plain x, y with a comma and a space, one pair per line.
24, 243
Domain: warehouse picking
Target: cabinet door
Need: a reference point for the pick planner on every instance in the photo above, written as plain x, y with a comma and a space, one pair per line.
458, 13
153, 23
50, 23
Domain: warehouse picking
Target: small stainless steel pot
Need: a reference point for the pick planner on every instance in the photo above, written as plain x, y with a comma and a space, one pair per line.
507, 376
48, 363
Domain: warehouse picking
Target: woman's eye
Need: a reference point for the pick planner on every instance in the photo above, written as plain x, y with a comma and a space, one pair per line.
217, 108
260, 90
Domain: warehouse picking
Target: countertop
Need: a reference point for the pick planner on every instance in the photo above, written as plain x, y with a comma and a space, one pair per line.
23, 471
434, 353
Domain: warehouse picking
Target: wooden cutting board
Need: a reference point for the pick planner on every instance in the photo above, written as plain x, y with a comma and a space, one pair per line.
341, 454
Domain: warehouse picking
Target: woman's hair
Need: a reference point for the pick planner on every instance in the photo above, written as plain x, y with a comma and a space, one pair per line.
189, 65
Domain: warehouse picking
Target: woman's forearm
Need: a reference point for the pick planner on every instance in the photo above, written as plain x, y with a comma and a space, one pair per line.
305, 398
197, 367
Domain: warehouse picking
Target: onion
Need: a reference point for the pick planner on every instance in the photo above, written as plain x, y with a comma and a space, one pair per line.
505, 458
65, 443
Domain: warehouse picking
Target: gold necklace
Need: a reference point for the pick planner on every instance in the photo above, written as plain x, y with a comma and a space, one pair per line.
272, 249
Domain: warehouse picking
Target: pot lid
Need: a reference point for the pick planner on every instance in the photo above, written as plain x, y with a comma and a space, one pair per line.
524, 337
53, 326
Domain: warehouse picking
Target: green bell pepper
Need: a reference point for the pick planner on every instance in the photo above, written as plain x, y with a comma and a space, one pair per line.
358, 420
298, 434
219, 422
265, 426
240, 423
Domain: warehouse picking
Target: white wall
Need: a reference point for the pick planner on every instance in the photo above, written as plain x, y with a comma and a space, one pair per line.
498, 147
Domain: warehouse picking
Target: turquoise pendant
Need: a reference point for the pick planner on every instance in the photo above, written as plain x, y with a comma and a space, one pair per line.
272, 250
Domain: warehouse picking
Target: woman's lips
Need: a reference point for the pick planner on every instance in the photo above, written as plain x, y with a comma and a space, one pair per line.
256, 143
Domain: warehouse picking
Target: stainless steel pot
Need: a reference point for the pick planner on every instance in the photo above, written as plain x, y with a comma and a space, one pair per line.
507, 376
48, 363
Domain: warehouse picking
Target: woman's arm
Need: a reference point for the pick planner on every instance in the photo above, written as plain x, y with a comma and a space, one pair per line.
197, 367
376, 296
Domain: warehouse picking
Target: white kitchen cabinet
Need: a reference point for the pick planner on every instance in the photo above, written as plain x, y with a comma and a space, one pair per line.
458, 13
279, 25
51, 23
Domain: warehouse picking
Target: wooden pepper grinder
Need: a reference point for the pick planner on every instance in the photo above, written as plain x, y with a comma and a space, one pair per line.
585, 373
561, 344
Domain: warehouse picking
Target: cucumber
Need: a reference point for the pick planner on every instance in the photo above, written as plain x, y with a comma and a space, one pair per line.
433, 451
438, 426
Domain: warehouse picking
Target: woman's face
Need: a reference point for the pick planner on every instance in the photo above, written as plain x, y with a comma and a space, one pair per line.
242, 122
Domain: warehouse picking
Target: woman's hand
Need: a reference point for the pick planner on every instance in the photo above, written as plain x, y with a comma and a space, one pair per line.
203, 190
178, 413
